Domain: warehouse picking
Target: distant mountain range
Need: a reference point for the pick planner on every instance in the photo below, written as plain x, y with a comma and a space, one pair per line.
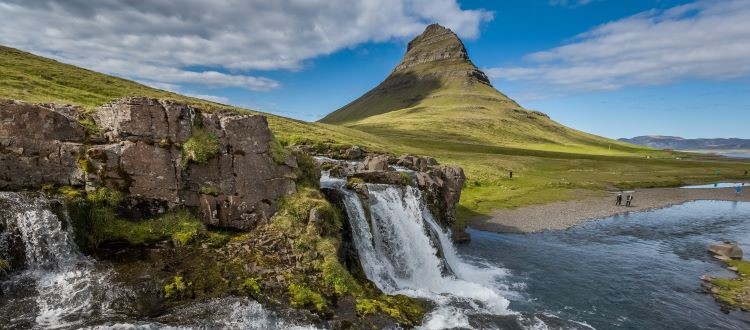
678, 143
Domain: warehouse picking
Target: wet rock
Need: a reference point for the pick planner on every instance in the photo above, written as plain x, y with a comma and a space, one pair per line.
416, 163
374, 163
726, 250
382, 177
354, 152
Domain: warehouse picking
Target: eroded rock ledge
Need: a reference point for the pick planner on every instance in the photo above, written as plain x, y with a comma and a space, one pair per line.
440, 184
160, 154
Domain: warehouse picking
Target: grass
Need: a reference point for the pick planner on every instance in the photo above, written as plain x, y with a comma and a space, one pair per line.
734, 292
200, 147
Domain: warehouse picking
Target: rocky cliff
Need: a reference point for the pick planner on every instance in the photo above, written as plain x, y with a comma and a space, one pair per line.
160, 154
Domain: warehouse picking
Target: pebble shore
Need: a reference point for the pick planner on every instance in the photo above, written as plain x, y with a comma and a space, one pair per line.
562, 215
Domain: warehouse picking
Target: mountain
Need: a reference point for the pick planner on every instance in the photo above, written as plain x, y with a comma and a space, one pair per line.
437, 93
678, 143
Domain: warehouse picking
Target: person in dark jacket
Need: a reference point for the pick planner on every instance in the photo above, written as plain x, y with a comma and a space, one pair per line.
618, 200
629, 200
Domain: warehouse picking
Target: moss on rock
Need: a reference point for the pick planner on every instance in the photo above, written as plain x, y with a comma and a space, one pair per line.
734, 292
300, 296
201, 147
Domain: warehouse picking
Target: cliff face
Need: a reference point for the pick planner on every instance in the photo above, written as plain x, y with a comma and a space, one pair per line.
160, 154
433, 52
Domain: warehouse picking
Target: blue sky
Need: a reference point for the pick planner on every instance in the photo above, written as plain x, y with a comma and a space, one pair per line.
610, 67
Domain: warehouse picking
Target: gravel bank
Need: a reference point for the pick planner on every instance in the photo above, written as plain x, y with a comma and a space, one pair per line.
562, 215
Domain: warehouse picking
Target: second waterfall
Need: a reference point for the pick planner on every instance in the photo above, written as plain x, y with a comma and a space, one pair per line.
404, 251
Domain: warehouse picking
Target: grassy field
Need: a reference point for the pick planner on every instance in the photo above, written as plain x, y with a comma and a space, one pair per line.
550, 162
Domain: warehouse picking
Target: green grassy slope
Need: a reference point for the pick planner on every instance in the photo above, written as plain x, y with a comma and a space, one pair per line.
31, 78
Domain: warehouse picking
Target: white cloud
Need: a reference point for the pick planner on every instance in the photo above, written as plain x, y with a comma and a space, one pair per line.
215, 43
707, 40
213, 98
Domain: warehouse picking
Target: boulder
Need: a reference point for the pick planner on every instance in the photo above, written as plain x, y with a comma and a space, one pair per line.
374, 163
354, 152
416, 163
726, 250
383, 177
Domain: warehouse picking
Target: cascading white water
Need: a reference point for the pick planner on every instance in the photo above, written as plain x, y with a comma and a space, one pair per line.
62, 277
398, 255
60, 288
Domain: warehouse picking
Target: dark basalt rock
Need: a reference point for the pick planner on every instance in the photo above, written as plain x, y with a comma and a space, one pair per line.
138, 152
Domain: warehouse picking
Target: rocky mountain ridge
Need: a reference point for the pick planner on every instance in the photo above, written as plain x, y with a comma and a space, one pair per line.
679, 143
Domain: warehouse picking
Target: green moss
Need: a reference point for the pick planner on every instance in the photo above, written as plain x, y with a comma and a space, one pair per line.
251, 286
338, 278
403, 309
217, 238
177, 288
210, 190
70, 193
734, 292
90, 125
352, 181
308, 171
406, 179
201, 147
95, 218
4, 268
278, 152
304, 297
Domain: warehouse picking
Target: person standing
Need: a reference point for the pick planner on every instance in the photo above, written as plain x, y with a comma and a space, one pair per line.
511, 174
629, 200
618, 200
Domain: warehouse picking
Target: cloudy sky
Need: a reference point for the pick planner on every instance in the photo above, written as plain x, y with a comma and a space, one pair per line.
611, 67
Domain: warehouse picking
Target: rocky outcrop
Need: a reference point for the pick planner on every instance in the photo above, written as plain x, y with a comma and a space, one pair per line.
374, 163
137, 146
38, 145
440, 185
726, 250
436, 45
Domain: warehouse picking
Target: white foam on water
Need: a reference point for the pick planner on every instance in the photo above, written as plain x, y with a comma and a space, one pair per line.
63, 277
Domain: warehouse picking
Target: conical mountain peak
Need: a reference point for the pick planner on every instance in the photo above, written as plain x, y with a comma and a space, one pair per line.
436, 69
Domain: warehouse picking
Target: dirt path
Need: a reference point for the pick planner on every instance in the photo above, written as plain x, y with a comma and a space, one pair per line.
562, 215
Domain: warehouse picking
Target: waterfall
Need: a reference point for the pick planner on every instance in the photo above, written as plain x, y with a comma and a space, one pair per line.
400, 251
62, 277
60, 288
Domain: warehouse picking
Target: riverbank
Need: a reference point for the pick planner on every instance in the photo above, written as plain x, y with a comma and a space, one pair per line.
562, 215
